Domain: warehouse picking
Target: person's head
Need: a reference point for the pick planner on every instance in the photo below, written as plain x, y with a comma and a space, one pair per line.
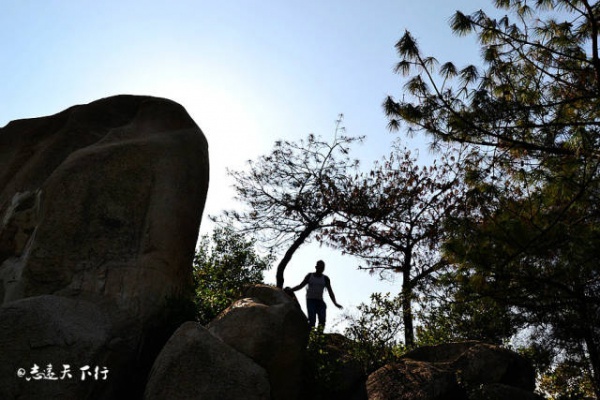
320, 267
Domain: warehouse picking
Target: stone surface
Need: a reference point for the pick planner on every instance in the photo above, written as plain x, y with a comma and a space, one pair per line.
480, 363
196, 365
100, 205
415, 380
57, 331
269, 327
486, 364
459, 371
103, 198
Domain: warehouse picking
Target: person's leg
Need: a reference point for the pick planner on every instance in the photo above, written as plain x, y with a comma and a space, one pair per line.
322, 313
311, 309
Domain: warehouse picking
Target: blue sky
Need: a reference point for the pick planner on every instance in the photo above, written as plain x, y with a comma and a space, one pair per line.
248, 72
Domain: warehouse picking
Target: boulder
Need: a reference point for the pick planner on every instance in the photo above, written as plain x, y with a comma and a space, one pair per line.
414, 380
104, 198
269, 327
99, 204
488, 364
196, 365
58, 336
459, 371
480, 363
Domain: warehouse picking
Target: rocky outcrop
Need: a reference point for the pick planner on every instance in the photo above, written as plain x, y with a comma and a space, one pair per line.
459, 371
196, 365
101, 198
269, 327
452, 371
100, 207
410, 379
61, 336
259, 327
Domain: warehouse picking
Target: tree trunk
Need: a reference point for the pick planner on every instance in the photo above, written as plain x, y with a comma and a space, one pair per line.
595, 362
407, 315
591, 342
290, 252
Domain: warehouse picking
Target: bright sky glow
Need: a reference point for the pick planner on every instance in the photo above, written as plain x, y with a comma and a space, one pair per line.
248, 72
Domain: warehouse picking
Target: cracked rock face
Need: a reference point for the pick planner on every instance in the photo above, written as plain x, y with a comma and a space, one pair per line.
269, 327
104, 199
101, 205
458, 371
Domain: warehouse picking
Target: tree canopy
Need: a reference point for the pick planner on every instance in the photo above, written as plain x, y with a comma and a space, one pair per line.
224, 263
391, 217
288, 192
529, 236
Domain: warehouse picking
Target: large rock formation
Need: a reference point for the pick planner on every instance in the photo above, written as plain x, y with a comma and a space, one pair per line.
100, 207
52, 332
457, 371
260, 342
196, 365
268, 326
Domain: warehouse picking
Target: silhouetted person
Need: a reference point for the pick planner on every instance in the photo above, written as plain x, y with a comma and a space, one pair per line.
315, 305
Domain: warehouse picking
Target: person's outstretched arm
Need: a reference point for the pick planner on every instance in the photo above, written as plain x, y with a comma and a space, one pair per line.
301, 285
330, 291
